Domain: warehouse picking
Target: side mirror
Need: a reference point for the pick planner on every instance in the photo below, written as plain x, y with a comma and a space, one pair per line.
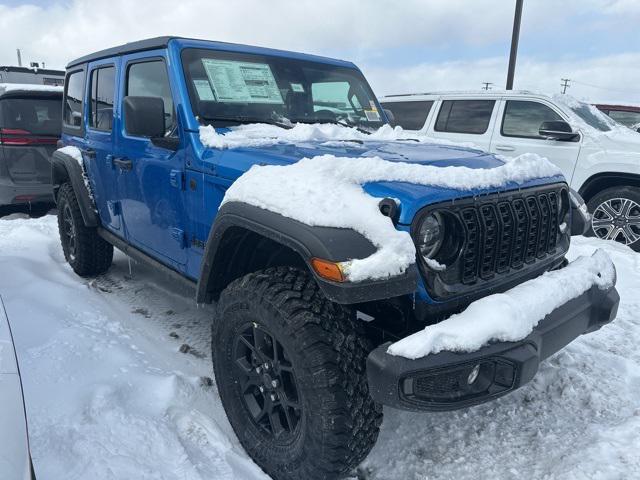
390, 116
144, 116
558, 131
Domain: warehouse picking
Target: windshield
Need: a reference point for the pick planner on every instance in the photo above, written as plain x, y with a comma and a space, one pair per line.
231, 88
592, 116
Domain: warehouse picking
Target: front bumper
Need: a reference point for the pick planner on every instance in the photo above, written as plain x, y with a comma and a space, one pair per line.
441, 382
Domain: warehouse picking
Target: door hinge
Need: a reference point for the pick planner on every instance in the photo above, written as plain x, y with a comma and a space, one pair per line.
178, 236
176, 178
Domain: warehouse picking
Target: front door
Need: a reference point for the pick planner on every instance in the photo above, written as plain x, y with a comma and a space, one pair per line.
518, 134
153, 177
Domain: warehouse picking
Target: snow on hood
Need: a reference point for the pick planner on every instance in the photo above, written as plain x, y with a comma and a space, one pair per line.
327, 191
261, 134
10, 87
509, 316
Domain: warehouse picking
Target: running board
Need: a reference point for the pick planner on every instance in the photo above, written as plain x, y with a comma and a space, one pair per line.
142, 257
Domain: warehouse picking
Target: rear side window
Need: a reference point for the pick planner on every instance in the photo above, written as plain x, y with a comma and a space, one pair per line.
103, 84
523, 118
74, 91
150, 79
465, 116
40, 116
409, 115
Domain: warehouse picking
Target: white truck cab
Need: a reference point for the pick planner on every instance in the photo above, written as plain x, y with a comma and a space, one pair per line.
599, 157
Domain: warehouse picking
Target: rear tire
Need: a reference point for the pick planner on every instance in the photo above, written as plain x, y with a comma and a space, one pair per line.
616, 215
86, 252
275, 330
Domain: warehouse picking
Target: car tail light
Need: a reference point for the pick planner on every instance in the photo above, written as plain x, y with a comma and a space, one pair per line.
17, 136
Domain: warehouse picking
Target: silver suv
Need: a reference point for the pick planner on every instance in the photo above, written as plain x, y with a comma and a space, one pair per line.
30, 124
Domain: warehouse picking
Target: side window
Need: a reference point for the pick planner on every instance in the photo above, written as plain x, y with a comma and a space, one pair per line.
409, 115
465, 116
103, 84
74, 90
150, 79
523, 118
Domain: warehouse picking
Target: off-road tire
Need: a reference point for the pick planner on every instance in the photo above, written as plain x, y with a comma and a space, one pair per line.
631, 193
91, 255
327, 349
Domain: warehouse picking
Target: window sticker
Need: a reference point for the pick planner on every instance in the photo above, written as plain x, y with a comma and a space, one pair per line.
204, 90
242, 82
372, 115
297, 87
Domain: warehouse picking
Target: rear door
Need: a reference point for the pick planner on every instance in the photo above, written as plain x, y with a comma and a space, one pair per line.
102, 83
29, 129
517, 133
466, 120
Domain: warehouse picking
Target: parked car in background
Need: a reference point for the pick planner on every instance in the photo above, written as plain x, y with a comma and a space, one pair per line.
627, 115
15, 460
30, 126
298, 346
599, 158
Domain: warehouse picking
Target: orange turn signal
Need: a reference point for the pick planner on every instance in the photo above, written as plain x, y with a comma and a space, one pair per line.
329, 270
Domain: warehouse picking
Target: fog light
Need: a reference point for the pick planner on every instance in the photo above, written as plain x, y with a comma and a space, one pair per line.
473, 375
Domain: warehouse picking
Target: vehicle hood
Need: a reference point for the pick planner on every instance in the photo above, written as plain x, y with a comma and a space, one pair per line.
412, 197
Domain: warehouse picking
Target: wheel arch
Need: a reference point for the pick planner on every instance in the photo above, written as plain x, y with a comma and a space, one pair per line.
244, 239
65, 168
601, 181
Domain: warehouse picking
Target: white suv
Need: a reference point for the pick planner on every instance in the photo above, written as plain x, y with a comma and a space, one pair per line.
599, 157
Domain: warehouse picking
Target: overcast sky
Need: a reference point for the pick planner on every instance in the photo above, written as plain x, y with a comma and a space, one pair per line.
401, 45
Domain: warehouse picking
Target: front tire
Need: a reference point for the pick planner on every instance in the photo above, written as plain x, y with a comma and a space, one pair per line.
291, 372
86, 252
616, 216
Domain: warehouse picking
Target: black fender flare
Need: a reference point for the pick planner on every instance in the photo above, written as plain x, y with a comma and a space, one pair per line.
66, 168
334, 244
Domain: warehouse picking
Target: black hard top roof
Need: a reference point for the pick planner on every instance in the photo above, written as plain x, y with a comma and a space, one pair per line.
138, 46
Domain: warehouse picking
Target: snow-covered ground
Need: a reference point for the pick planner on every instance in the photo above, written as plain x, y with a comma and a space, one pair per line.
116, 375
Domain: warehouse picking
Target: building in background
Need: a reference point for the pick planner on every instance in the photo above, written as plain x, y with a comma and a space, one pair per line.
34, 76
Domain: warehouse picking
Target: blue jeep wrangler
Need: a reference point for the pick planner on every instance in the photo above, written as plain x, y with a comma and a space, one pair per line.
300, 354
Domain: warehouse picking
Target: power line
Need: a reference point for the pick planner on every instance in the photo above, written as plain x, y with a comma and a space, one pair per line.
565, 84
606, 88
487, 85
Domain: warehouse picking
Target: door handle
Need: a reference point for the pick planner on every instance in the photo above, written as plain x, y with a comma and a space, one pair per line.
90, 153
123, 163
505, 148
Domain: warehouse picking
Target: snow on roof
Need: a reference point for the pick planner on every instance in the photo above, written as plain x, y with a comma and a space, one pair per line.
493, 91
327, 191
261, 134
11, 87
509, 316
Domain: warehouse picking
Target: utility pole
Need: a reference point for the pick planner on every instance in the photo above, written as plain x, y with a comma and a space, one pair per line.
565, 84
515, 37
19, 57
486, 85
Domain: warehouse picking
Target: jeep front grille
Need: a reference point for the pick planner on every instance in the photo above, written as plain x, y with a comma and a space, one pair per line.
504, 235
502, 232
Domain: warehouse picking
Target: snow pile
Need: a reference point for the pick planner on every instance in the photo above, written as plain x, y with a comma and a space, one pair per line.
261, 134
11, 87
509, 316
327, 191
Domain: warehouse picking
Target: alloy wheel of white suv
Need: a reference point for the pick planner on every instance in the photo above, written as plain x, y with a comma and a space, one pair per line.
616, 216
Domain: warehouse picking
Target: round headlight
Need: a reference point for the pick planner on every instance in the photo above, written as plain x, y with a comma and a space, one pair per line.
430, 235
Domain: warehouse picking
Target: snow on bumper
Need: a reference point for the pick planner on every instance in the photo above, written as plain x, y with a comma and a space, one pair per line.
510, 316
497, 343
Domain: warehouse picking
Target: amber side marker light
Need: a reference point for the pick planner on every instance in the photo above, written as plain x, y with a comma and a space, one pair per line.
328, 270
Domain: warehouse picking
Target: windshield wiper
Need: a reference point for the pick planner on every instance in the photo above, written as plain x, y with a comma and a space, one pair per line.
335, 122
283, 123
